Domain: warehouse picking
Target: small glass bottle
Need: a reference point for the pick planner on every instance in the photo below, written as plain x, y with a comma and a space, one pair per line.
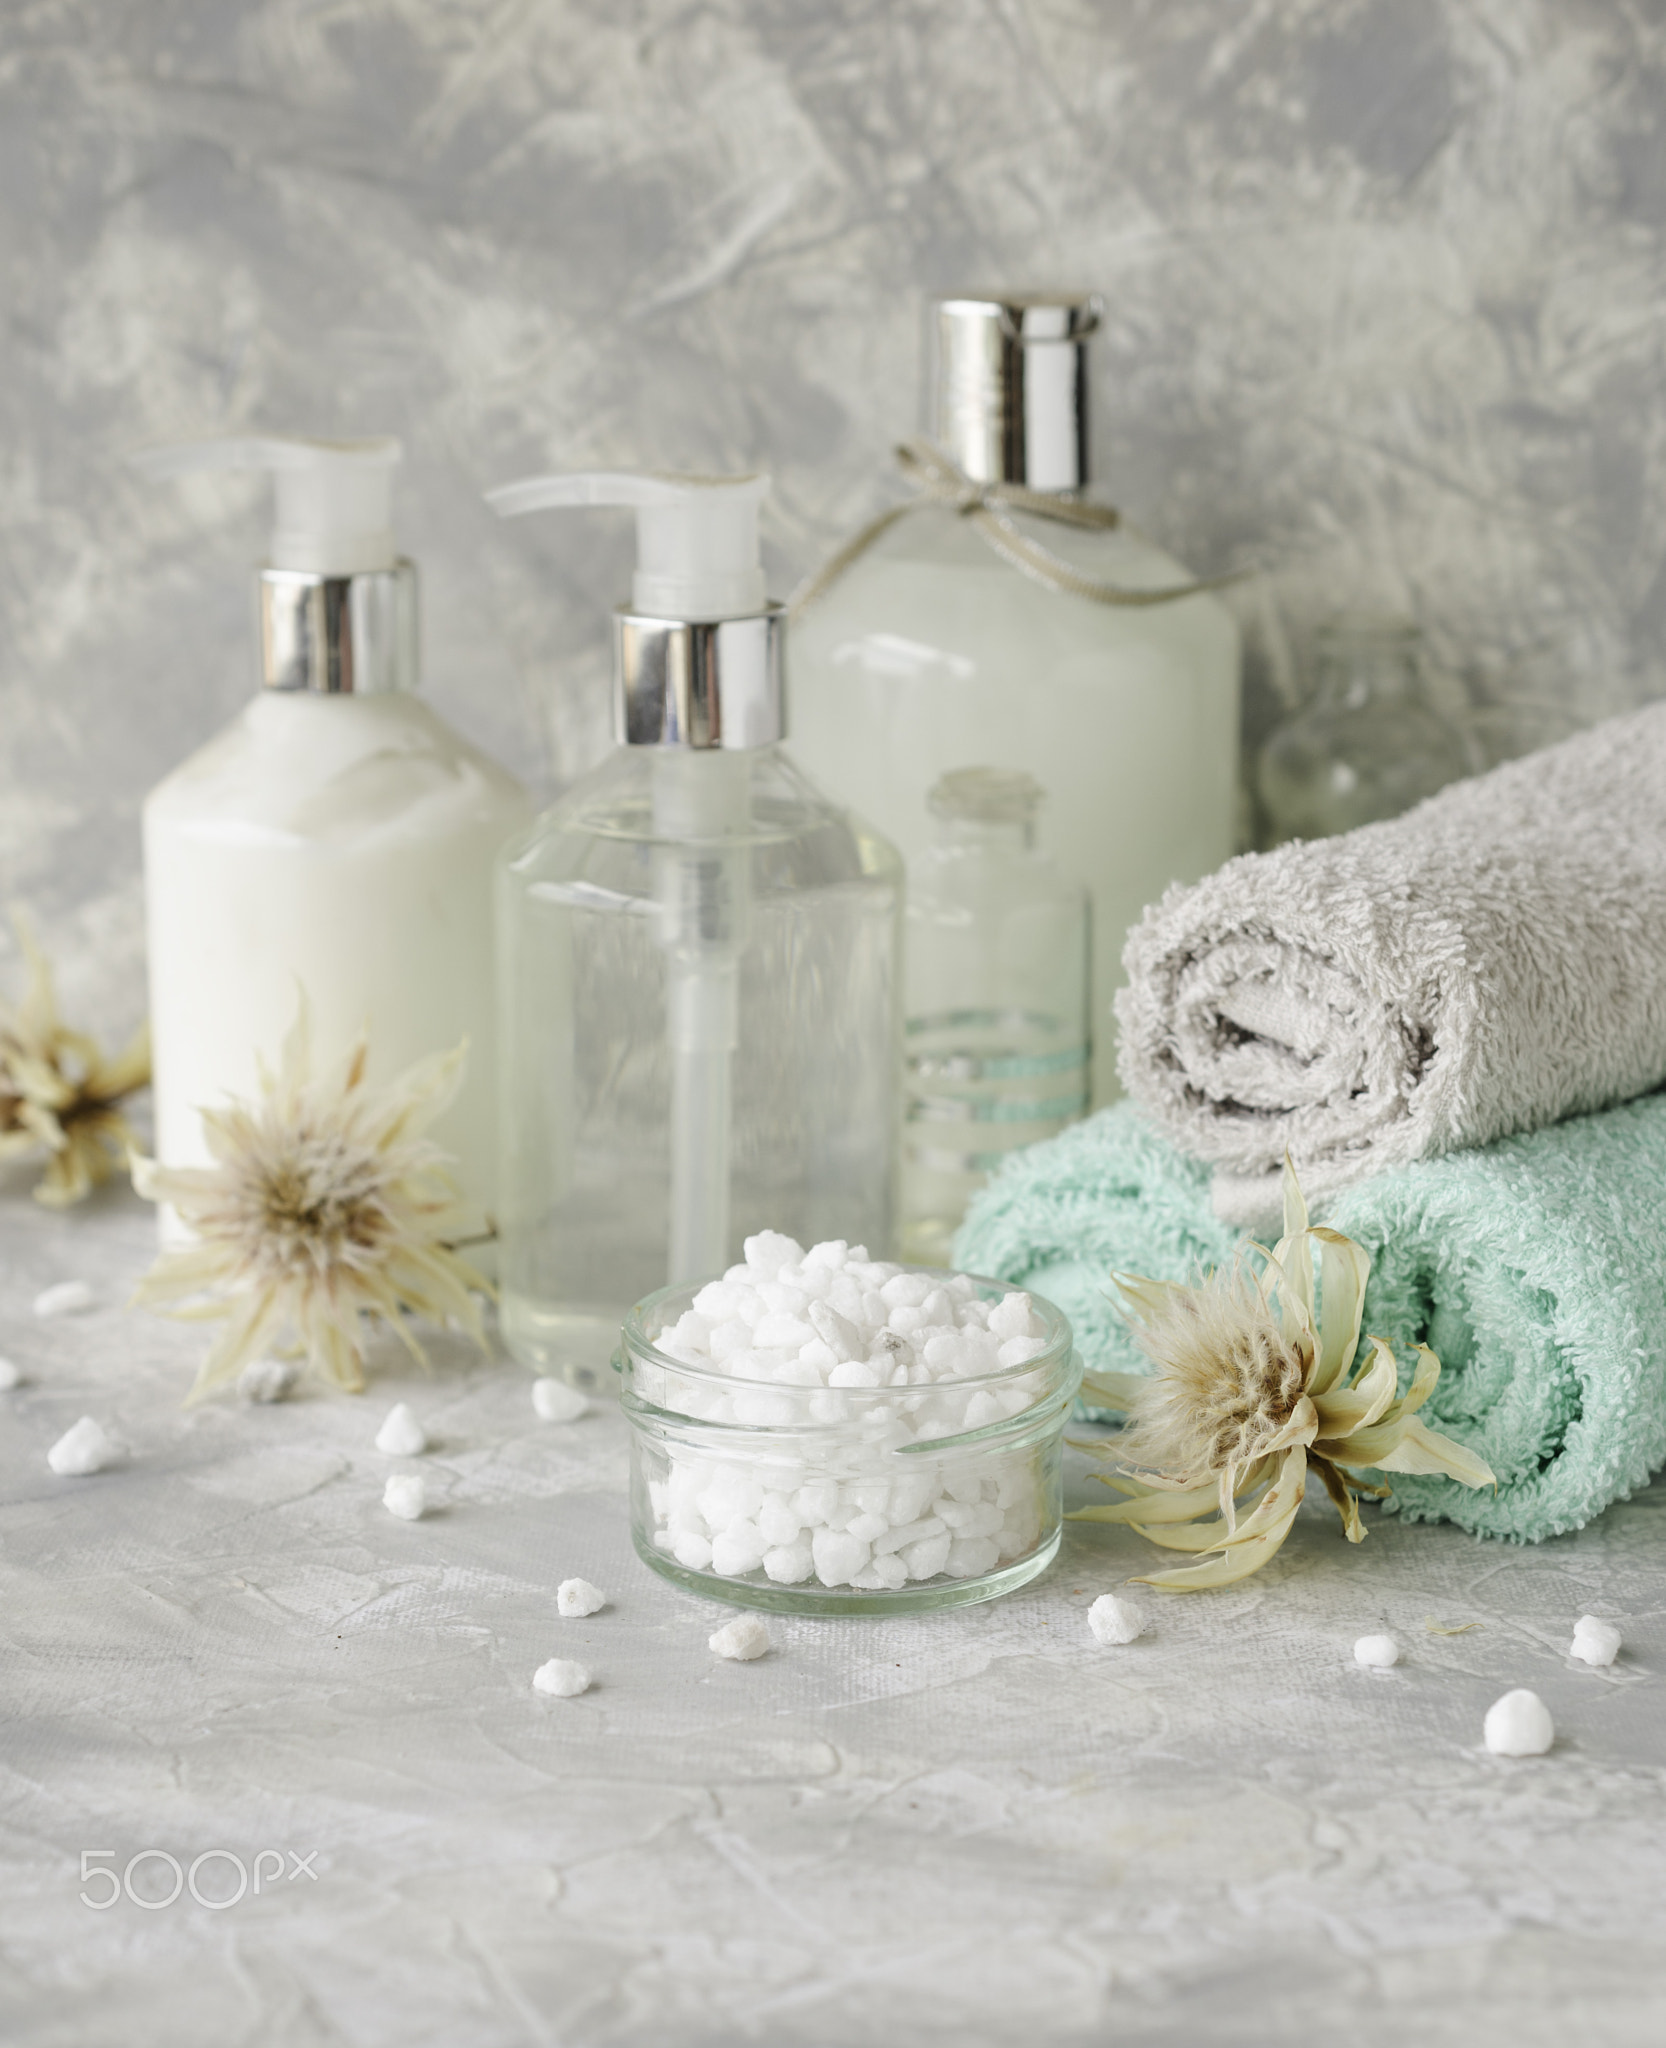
997, 976
700, 961
1369, 745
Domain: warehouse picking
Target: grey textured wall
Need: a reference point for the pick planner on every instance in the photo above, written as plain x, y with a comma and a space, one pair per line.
1386, 279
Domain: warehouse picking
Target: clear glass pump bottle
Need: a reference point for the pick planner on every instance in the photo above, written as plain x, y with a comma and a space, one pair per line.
930, 651
997, 977
700, 981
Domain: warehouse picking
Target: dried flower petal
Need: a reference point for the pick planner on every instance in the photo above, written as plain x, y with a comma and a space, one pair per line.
324, 1206
1250, 1390
58, 1093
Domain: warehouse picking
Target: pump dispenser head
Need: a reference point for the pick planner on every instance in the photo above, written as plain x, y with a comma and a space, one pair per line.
337, 604
697, 654
1009, 376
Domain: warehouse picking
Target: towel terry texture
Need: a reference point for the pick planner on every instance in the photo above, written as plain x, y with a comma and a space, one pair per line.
1535, 1268
1489, 963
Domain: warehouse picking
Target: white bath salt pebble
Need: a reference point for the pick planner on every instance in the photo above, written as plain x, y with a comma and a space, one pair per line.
264, 1380
1116, 1620
1519, 1725
781, 1330
743, 1638
1010, 1317
790, 1564
837, 1332
737, 1550
779, 1521
691, 1550
1376, 1653
401, 1435
555, 1401
855, 1372
927, 1558
561, 1677
769, 1251
971, 1556
838, 1557
406, 1495
578, 1596
905, 1290
1594, 1641
729, 1338
85, 1449
9, 1375
68, 1298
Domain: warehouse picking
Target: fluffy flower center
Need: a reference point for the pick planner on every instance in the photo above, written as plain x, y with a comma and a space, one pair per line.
1226, 1381
316, 1201
1251, 1396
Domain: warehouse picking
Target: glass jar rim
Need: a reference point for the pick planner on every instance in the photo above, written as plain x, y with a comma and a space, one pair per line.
1057, 1347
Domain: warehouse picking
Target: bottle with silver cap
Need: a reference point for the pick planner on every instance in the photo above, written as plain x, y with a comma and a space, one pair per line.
336, 839
1009, 616
699, 955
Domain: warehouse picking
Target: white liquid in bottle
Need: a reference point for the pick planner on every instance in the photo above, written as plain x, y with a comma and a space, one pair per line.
336, 839
344, 846
930, 654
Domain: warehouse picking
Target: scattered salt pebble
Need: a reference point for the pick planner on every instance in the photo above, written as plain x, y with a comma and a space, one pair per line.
555, 1401
268, 1379
86, 1448
562, 1677
578, 1596
9, 1375
744, 1638
1115, 1620
406, 1495
1595, 1641
1519, 1725
1377, 1653
68, 1298
401, 1435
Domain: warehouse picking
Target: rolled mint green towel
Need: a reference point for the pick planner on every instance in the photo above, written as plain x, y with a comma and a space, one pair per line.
1107, 1195
1535, 1268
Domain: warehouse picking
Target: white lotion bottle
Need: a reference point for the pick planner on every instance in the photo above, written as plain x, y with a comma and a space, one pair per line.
930, 653
336, 838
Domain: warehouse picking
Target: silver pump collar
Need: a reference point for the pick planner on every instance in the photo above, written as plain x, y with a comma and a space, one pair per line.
339, 636
699, 683
1009, 385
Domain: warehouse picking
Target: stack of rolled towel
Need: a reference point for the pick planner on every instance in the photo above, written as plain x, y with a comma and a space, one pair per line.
1452, 1022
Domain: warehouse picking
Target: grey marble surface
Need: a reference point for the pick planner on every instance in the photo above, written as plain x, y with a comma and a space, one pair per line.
1385, 286
978, 1827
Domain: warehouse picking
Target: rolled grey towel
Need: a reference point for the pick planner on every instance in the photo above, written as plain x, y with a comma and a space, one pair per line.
1490, 962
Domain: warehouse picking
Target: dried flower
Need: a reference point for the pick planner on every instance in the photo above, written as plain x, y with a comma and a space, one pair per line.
324, 1206
1247, 1398
58, 1093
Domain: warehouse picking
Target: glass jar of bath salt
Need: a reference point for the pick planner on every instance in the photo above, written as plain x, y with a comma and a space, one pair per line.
820, 1432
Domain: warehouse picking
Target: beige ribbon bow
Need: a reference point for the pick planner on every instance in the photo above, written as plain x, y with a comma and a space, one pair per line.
989, 507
